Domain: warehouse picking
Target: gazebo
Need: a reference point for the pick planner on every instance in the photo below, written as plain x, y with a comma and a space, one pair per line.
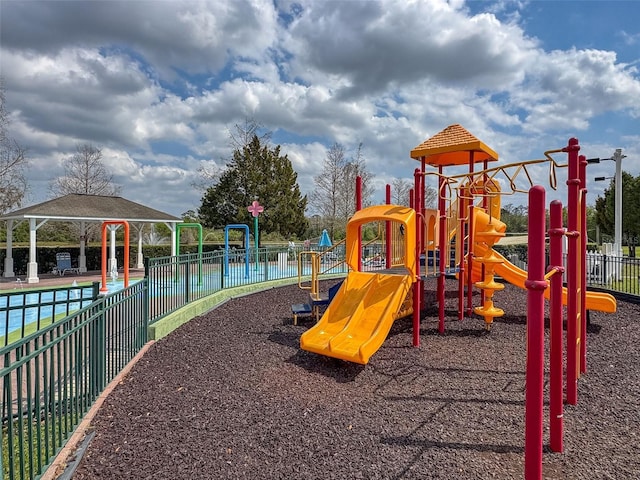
82, 209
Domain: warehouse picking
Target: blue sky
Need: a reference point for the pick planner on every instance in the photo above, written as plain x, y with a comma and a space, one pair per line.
157, 85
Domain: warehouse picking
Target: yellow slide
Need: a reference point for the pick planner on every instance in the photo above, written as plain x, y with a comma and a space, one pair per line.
359, 318
602, 302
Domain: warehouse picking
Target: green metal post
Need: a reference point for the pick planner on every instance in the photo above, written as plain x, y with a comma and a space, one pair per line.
179, 226
255, 237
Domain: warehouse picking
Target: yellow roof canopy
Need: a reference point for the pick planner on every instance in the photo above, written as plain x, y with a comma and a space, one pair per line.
453, 146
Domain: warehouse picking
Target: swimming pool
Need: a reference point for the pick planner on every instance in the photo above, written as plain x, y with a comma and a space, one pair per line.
20, 309
172, 286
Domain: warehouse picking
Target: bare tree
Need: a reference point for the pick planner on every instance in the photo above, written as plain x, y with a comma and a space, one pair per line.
334, 197
400, 190
242, 134
85, 173
353, 169
326, 196
13, 163
430, 197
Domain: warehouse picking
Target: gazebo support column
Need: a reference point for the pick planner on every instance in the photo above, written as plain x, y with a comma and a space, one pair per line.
8, 259
113, 261
32, 266
140, 257
172, 227
82, 258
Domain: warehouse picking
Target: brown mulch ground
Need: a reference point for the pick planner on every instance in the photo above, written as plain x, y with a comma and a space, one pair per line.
230, 395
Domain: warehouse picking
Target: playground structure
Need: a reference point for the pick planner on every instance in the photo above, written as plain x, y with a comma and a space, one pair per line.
467, 222
357, 321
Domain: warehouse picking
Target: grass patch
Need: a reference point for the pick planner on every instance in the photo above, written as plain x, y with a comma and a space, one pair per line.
32, 445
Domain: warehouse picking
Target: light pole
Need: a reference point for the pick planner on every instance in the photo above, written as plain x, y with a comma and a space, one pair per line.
617, 157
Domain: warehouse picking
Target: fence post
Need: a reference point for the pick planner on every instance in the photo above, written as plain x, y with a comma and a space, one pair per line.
266, 265
95, 291
98, 349
222, 270
146, 298
187, 278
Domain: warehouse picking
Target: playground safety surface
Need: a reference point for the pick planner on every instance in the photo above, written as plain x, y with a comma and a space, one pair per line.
230, 395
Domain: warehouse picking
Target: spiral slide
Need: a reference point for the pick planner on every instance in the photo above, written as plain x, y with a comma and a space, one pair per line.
602, 302
359, 318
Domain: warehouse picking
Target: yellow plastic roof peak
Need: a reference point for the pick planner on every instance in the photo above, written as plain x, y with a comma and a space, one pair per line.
453, 146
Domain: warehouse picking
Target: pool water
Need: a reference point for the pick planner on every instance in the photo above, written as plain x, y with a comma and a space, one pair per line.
29, 306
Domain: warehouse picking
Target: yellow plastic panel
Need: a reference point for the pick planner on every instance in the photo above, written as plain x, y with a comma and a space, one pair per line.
397, 213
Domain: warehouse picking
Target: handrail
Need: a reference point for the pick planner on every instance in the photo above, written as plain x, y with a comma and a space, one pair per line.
327, 252
314, 286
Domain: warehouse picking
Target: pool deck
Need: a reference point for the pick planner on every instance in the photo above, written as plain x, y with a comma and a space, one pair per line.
51, 280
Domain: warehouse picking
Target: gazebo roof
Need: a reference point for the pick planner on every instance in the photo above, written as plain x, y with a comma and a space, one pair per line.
91, 208
453, 146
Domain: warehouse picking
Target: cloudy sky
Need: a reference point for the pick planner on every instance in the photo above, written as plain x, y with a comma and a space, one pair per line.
158, 84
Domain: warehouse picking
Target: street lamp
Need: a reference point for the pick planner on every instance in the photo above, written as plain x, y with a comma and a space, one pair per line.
617, 157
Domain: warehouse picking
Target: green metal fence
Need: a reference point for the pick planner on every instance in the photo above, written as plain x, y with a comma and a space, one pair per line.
176, 281
52, 377
24, 311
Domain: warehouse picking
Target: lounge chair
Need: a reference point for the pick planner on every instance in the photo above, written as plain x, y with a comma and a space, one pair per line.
63, 264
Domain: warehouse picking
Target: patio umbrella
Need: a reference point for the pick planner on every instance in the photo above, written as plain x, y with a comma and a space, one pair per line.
325, 241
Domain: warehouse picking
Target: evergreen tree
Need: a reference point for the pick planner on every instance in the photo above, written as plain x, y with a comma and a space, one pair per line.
257, 172
605, 208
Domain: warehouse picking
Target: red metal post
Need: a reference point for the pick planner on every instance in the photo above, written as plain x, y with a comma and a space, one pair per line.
583, 263
536, 284
556, 375
358, 208
471, 214
416, 286
470, 243
442, 247
422, 224
387, 231
460, 241
573, 333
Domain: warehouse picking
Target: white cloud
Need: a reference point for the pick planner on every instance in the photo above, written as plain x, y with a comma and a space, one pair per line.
158, 85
